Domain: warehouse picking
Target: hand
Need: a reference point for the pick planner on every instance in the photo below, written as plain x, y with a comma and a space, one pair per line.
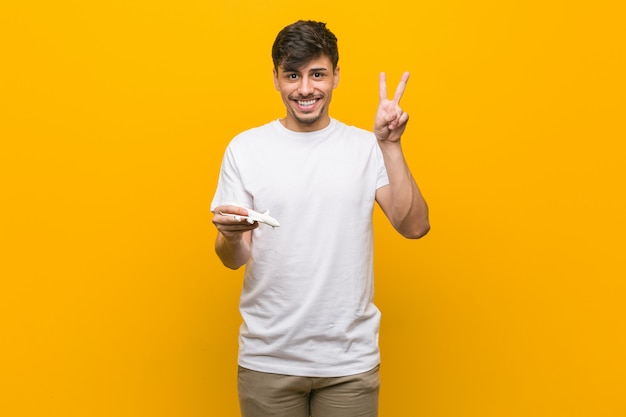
390, 120
229, 226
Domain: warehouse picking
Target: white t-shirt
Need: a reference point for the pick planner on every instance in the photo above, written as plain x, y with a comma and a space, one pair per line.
306, 301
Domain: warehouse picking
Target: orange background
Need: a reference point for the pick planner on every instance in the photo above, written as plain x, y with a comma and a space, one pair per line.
114, 117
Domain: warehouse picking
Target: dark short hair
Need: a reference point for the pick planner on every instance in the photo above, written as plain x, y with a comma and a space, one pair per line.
302, 41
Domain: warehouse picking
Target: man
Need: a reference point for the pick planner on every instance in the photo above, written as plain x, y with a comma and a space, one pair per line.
309, 338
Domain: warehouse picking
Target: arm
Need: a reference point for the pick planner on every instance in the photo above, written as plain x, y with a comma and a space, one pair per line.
232, 244
401, 200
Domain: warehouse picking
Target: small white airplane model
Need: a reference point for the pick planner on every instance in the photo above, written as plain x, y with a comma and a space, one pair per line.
254, 216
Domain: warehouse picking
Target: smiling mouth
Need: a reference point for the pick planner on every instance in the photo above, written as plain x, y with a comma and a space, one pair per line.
306, 103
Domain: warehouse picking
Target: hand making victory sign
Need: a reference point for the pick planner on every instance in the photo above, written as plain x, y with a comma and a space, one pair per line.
390, 120
401, 200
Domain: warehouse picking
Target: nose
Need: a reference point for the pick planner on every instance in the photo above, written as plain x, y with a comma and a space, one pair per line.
306, 86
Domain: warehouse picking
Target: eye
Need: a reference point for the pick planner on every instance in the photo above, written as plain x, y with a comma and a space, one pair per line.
318, 75
292, 76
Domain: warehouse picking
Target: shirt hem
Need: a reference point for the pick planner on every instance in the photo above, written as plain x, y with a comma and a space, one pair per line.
310, 372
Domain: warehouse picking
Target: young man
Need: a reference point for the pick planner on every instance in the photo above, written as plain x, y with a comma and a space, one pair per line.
309, 338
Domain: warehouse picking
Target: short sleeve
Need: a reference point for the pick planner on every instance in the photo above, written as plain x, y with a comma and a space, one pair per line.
230, 187
382, 178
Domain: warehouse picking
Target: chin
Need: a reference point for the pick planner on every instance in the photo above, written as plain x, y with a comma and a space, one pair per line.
309, 118
308, 121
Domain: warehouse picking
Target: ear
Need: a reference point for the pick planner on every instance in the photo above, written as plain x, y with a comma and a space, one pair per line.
336, 78
275, 79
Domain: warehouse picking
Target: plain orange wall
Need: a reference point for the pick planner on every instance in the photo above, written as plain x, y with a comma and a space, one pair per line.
114, 116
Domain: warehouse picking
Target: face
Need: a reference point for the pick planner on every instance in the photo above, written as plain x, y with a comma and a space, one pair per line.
306, 93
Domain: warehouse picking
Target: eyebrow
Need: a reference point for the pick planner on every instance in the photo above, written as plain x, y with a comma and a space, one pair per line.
320, 69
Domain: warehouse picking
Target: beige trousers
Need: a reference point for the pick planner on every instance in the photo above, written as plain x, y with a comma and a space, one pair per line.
274, 395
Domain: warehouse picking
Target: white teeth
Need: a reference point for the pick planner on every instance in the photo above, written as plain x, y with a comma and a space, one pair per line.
306, 103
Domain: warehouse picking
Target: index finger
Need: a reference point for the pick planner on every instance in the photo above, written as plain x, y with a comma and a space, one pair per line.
382, 87
230, 209
401, 86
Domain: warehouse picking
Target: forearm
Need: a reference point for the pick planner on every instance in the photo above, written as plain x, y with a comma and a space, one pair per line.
232, 252
406, 208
